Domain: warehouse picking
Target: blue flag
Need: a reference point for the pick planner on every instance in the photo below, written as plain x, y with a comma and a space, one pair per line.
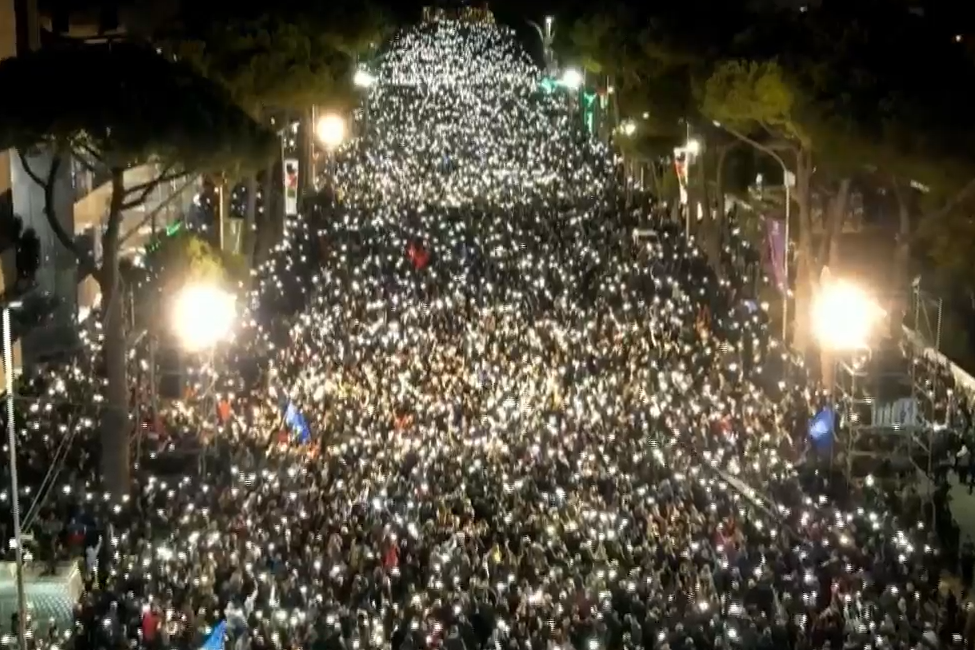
291, 415
302, 430
216, 639
821, 428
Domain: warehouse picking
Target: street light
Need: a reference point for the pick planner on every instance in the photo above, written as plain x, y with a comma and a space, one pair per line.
628, 127
330, 130
572, 79
204, 315
693, 147
363, 79
787, 180
844, 316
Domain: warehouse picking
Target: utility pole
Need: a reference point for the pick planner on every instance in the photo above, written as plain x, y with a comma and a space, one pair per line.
221, 217
8, 371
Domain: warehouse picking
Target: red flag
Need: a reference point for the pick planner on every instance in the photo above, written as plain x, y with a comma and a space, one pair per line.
418, 256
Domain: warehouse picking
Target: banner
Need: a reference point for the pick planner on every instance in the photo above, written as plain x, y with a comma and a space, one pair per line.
900, 413
775, 252
290, 186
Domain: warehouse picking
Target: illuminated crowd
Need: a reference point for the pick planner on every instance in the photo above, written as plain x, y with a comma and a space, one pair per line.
528, 429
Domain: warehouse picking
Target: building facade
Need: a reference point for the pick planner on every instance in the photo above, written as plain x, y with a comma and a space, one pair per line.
81, 196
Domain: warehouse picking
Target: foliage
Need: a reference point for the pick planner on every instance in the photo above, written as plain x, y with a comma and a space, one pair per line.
137, 107
283, 60
750, 96
184, 259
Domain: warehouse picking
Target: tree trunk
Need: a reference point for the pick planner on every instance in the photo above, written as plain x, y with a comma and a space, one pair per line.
223, 213
306, 174
836, 213
270, 226
250, 217
714, 217
902, 261
830, 255
805, 258
115, 416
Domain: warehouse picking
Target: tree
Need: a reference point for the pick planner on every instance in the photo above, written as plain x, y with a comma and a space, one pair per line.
654, 71
187, 259
138, 108
278, 65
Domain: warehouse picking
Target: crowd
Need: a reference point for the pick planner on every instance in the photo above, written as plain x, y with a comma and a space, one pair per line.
527, 429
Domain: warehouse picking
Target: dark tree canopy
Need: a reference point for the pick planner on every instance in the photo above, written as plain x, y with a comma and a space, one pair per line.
124, 104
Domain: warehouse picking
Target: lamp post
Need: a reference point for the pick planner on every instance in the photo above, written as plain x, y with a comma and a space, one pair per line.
8, 371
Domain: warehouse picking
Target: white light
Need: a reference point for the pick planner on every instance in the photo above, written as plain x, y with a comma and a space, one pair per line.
844, 316
363, 79
330, 130
628, 127
693, 147
203, 316
572, 79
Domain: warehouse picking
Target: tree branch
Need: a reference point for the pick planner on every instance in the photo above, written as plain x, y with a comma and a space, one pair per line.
86, 265
761, 147
144, 189
133, 231
953, 202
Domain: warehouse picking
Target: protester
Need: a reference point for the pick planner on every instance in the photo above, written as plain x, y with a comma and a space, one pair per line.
466, 409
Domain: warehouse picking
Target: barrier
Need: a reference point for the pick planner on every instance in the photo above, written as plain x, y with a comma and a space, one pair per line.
962, 378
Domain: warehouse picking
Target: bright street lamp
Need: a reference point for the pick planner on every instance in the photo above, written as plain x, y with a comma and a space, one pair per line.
693, 147
203, 316
330, 130
572, 79
844, 316
363, 79
628, 128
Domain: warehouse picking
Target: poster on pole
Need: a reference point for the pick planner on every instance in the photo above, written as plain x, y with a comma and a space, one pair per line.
290, 186
776, 251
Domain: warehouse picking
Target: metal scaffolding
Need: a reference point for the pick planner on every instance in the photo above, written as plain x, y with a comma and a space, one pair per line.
887, 407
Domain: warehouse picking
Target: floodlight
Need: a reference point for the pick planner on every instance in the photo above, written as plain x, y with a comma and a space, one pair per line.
363, 79
203, 315
572, 79
330, 130
844, 316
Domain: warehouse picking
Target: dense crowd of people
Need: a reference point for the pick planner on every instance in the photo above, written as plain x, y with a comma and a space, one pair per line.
467, 409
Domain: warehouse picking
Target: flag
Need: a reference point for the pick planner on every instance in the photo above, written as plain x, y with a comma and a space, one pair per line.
776, 249
291, 415
302, 430
821, 428
216, 639
418, 256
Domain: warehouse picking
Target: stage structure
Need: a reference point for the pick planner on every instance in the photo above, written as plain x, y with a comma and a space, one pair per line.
890, 414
